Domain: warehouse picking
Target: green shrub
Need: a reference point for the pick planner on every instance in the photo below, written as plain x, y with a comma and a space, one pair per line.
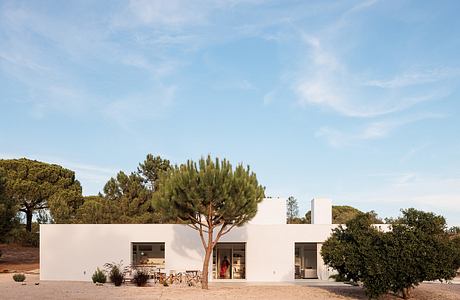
99, 276
19, 277
416, 249
116, 276
140, 277
116, 273
22, 237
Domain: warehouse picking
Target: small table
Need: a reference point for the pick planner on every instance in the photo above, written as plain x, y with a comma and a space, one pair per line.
193, 272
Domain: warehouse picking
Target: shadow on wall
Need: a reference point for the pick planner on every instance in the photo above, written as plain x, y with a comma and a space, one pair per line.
186, 241
187, 244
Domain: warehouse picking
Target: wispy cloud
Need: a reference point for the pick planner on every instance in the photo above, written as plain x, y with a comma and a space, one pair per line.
371, 131
328, 82
54, 83
413, 151
415, 78
439, 193
174, 13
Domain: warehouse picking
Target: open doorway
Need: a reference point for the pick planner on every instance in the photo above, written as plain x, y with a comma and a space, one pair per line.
306, 261
229, 261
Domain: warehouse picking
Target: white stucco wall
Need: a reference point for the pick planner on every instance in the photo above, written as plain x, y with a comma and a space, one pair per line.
73, 252
270, 211
321, 211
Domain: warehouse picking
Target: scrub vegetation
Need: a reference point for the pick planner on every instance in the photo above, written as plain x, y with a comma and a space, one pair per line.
417, 248
99, 276
19, 277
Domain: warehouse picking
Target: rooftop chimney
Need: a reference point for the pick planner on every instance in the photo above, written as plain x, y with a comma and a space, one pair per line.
321, 211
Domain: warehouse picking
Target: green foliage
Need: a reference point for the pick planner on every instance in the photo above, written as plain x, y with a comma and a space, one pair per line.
126, 198
99, 276
8, 211
296, 220
209, 196
31, 184
140, 277
212, 191
19, 277
455, 248
97, 210
454, 230
131, 197
417, 249
19, 235
64, 206
152, 169
341, 214
292, 210
116, 272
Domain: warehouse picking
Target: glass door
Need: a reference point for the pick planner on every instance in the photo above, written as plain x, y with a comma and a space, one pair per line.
229, 261
305, 260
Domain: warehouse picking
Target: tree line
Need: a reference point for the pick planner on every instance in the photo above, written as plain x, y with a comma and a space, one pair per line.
340, 213
34, 192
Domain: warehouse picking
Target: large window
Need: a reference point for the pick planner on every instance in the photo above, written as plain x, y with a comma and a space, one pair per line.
149, 254
229, 261
305, 260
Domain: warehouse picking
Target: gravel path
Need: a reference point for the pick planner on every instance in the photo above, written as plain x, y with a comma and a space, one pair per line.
86, 290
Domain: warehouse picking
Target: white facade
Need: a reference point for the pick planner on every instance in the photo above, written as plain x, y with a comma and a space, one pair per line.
321, 211
74, 251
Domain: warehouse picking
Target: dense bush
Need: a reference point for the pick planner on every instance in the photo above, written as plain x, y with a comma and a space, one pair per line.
417, 249
19, 277
99, 276
116, 272
140, 277
116, 276
22, 237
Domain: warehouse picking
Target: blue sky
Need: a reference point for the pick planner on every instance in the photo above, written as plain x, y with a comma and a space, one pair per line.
357, 101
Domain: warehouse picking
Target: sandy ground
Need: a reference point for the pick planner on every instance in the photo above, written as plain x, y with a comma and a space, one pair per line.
25, 259
18, 259
86, 290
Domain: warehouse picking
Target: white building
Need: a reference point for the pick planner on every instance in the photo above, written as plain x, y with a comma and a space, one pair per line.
265, 250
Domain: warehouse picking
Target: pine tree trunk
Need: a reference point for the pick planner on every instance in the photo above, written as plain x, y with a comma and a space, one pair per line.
406, 293
204, 279
29, 220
